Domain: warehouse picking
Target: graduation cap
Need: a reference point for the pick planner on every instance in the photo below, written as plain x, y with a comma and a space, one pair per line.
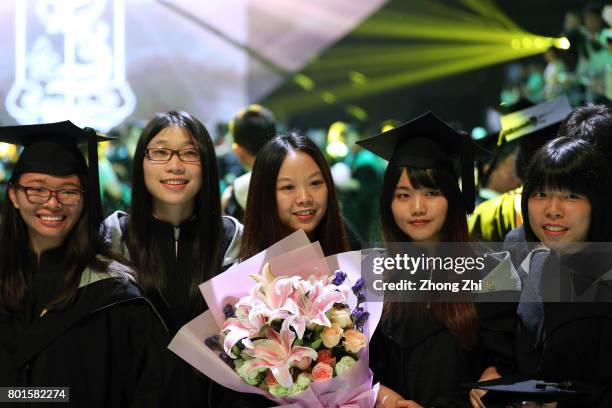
520, 104
52, 148
543, 118
529, 125
506, 391
429, 143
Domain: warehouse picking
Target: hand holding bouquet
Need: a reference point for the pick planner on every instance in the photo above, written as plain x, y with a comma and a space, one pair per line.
296, 333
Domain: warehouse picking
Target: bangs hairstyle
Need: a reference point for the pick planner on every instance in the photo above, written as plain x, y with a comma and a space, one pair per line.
459, 318
262, 226
455, 225
82, 246
143, 246
574, 165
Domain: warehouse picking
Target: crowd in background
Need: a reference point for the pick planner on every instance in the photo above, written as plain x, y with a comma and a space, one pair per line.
583, 73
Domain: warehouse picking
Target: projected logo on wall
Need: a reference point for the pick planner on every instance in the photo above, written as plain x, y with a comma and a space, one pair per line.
71, 59
70, 62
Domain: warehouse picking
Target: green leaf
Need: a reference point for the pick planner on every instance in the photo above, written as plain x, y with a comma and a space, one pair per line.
316, 344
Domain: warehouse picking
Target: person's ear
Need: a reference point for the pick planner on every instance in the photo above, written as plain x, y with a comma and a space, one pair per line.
12, 191
240, 152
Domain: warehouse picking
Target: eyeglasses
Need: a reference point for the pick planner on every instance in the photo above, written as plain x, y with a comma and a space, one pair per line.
40, 195
161, 154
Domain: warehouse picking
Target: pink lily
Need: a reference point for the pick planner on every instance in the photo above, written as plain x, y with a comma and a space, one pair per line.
238, 328
269, 299
270, 296
325, 281
313, 304
277, 353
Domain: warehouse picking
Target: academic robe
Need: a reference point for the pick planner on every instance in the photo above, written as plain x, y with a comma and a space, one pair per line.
420, 359
106, 346
565, 327
187, 387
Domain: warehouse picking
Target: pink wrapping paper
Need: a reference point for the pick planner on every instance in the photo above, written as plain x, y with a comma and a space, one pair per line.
294, 255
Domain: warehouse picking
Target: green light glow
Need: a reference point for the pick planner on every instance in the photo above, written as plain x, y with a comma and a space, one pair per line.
431, 41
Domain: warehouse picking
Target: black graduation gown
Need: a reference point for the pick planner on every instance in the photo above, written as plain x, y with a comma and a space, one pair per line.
421, 360
561, 341
496, 306
188, 387
419, 357
106, 346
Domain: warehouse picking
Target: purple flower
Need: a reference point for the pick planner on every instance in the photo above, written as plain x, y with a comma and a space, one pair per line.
360, 298
339, 278
358, 286
229, 311
361, 317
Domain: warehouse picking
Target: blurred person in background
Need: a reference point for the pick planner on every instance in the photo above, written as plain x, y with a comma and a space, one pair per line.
555, 75
593, 53
355, 192
251, 128
497, 176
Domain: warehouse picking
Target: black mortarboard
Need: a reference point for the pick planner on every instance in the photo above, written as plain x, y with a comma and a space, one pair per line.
52, 148
429, 143
507, 391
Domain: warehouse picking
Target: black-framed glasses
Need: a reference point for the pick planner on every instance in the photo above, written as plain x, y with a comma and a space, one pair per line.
162, 154
40, 195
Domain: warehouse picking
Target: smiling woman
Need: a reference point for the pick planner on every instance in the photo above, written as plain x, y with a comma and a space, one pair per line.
70, 312
565, 314
292, 188
301, 193
419, 212
172, 177
421, 202
49, 205
566, 196
175, 234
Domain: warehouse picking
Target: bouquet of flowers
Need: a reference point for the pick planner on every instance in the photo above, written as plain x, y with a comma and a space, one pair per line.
282, 325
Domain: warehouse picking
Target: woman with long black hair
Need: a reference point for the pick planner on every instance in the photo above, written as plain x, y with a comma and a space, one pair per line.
292, 188
425, 348
175, 235
70, 312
